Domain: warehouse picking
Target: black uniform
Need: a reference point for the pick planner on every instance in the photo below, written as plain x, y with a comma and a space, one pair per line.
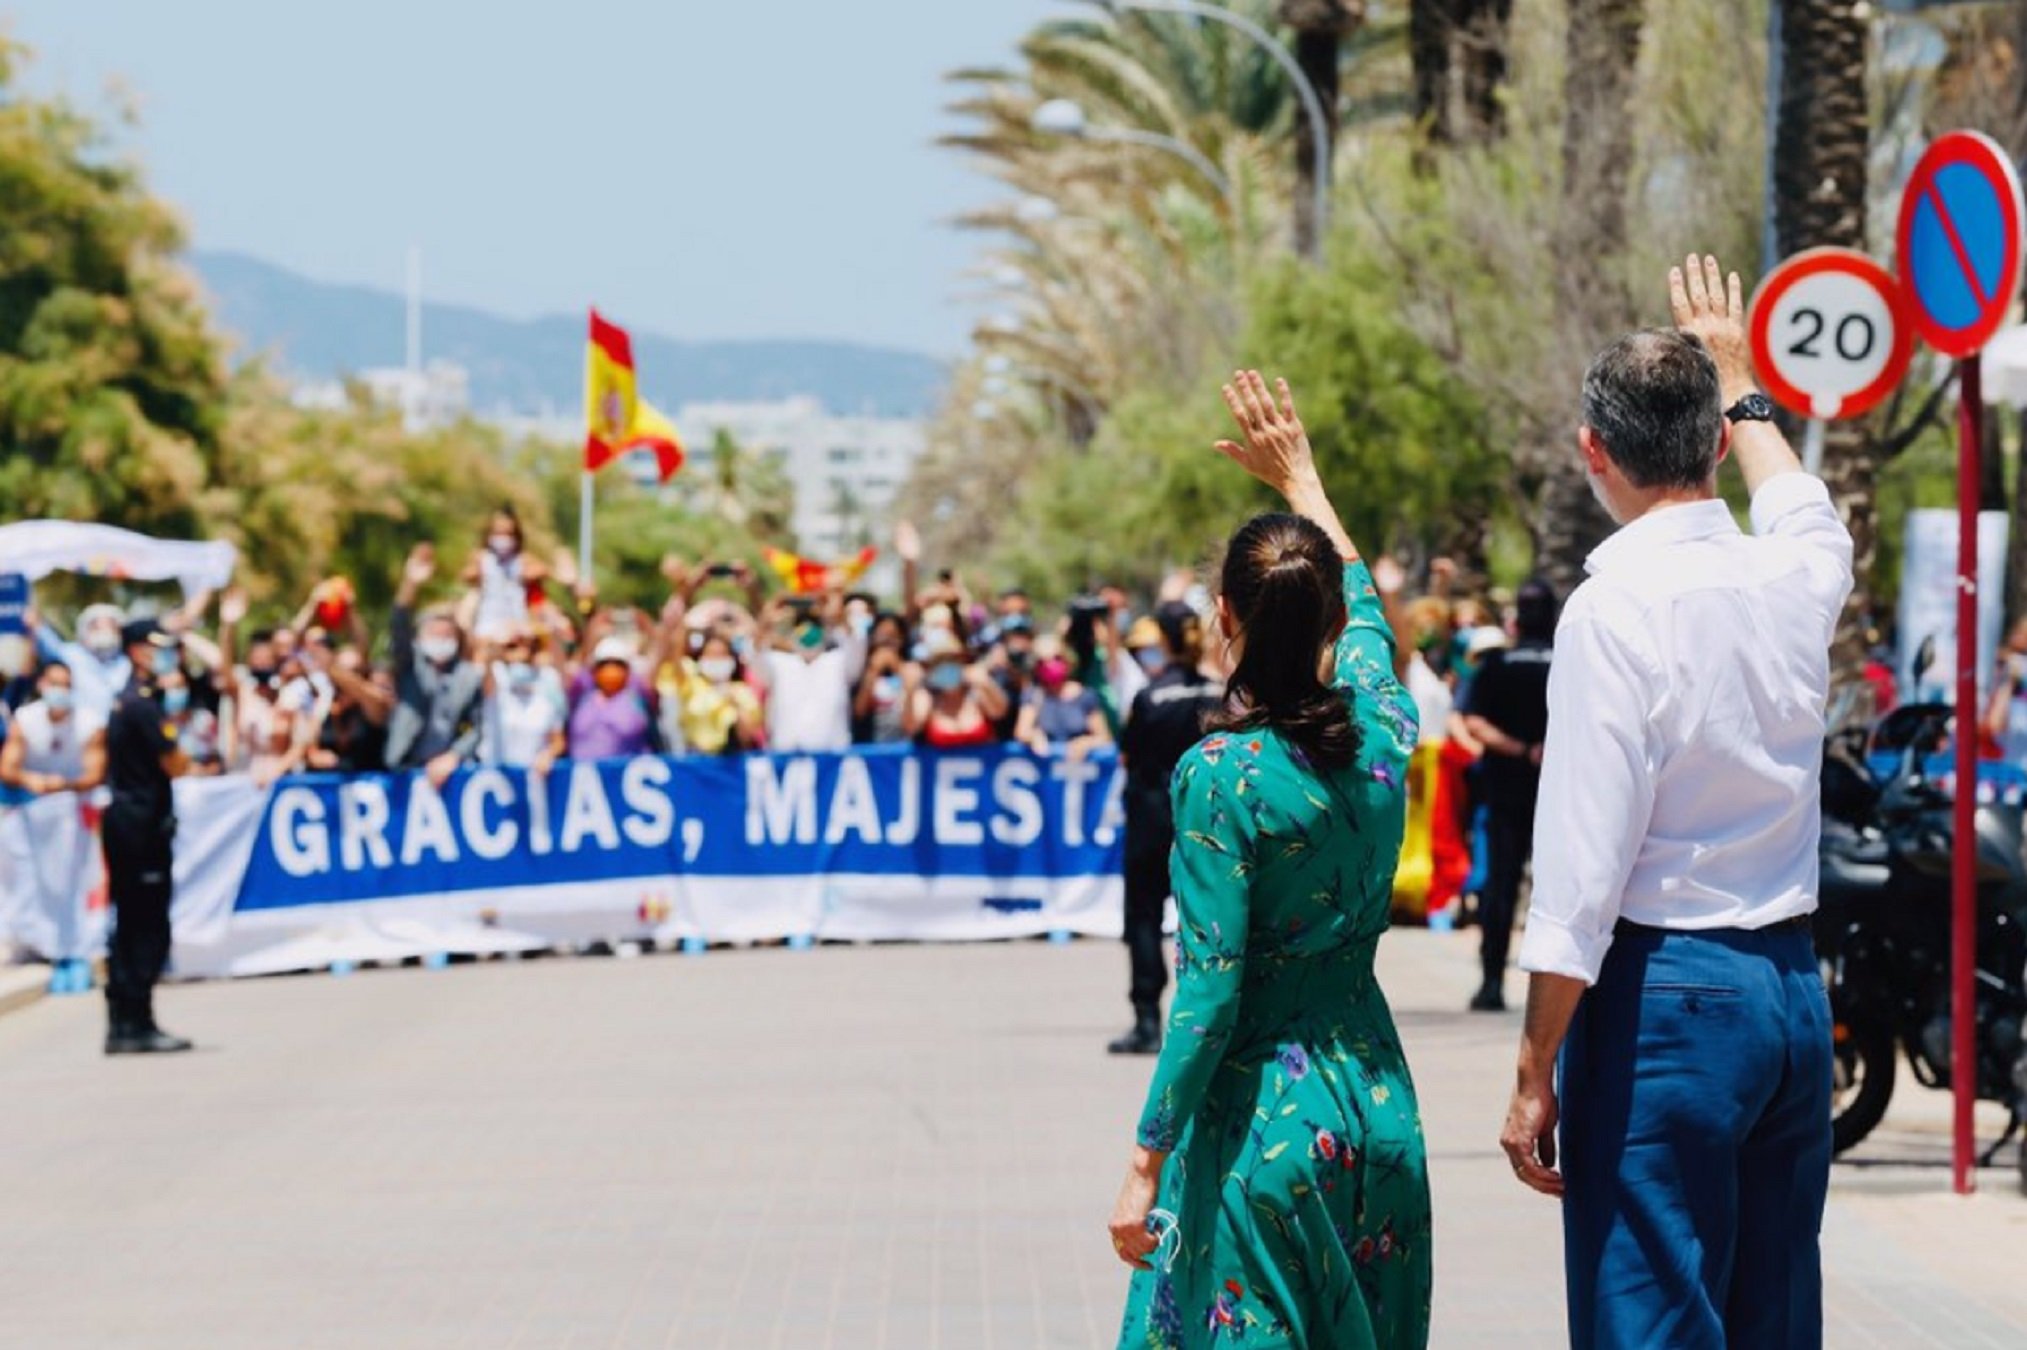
1167, 719
1510, 691
139, 828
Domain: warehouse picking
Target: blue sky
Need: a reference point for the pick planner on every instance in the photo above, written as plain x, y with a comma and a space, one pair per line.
738, 168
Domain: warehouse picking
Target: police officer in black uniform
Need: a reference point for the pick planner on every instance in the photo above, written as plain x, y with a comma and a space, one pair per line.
139, 829
1166, 719
1506, 709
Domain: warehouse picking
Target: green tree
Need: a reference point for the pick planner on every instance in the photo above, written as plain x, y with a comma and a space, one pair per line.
112, 389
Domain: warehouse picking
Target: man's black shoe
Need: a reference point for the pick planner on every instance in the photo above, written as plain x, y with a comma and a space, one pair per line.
1489, 999
153, 1041
1144, 1039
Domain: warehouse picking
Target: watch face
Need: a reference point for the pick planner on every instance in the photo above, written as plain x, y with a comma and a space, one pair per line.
1752, 408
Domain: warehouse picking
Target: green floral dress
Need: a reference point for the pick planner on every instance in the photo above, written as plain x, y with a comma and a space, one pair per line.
1297, 1178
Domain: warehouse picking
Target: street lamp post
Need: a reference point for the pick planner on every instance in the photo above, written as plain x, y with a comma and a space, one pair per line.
1312, 107
1062, 117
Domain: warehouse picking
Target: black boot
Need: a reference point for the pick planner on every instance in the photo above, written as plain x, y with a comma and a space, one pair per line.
1144, 1039
148, 1041
1490, 998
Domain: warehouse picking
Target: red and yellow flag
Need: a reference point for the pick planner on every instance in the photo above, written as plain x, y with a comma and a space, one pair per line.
616, 418
806, 576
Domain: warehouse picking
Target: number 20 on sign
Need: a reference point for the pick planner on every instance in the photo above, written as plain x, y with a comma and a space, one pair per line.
1830, 333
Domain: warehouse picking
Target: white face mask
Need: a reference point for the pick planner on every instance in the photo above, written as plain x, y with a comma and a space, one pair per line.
438, 650
717, 669
505, 545
103, 643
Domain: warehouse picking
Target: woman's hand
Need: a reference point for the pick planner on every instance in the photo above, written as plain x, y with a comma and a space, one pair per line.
1276, 449
1130, 1238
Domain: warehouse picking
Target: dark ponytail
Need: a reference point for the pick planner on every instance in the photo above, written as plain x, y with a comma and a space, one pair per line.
1284, 582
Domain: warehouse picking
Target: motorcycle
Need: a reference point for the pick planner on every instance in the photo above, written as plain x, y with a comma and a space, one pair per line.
1883, 927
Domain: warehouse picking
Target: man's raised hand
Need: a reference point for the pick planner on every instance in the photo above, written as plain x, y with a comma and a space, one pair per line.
1710, 305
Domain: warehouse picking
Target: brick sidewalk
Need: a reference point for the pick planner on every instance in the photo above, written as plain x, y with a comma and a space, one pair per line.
880, 1147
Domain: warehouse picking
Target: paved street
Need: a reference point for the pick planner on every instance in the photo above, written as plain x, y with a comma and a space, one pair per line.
893, 1146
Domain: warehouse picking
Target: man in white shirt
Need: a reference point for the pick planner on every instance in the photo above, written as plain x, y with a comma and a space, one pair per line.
1675, 862
809, 687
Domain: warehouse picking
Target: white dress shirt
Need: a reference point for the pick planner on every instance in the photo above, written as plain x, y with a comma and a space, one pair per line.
1685, 726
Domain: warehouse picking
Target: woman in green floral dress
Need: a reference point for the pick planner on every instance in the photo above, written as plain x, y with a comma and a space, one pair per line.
1278, 1195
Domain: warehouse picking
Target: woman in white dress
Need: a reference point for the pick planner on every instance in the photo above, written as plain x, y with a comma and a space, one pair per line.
54, 754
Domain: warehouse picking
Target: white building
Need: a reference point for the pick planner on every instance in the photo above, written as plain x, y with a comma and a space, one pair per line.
430, 399
846, 469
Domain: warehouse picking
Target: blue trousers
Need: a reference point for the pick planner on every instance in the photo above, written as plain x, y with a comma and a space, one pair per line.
1695, 1099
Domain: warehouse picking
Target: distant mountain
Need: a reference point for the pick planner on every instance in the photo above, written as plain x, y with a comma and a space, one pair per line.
314, 329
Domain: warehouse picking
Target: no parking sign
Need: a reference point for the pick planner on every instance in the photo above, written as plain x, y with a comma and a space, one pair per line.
1960, 242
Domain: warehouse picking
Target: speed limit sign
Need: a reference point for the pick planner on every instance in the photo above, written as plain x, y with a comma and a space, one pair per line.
1830, 333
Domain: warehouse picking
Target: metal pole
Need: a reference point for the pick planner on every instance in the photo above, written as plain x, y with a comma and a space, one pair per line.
1770, 240
1180, 148
584, 530
1963, 880
1312, 106
1812, 446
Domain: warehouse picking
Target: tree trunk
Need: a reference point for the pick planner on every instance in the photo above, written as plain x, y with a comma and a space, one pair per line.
1603, 52
1822, 139
1431, 24
1316, 52
1485, 66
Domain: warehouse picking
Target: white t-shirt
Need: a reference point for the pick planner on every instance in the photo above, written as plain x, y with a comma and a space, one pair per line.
1433, 700
54, 748
809, 703
503, 596
520, 723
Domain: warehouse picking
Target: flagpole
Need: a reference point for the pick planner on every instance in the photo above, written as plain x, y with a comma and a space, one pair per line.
584, 531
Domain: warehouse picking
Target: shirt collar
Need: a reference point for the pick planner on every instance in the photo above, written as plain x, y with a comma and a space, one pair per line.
1678, 523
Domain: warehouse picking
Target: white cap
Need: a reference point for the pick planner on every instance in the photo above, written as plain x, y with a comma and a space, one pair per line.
1483, 640
613, 649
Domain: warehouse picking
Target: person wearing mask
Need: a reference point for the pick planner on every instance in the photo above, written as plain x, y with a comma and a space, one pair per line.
143, 758
717, 711
1507, 713
524, 709
955, 704
98, 664
879, 710
439, 713
1166, 719
810, 676
1013, 665
55, 753
2006, 712
1059, 713
612, 710
500, 576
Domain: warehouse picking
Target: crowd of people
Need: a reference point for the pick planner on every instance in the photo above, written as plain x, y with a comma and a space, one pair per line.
519, 663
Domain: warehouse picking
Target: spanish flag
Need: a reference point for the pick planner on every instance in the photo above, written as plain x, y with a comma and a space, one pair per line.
806, 576
616, 418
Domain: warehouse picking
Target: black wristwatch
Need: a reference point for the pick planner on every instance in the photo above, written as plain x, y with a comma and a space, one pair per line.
1751, 408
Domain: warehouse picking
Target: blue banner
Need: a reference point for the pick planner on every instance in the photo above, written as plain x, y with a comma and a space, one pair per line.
998, 815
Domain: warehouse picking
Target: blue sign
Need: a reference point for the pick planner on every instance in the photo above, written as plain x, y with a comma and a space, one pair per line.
1001, 815
13, 603
1960, 242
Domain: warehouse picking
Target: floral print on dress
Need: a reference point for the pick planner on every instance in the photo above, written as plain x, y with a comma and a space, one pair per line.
1297, 1171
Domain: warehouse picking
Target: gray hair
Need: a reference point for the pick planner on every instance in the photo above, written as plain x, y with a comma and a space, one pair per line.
1652, 399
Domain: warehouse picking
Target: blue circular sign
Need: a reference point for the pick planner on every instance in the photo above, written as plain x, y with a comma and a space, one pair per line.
1960, 242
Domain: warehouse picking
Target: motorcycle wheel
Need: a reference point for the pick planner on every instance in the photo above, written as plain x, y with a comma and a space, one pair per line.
1861, 1087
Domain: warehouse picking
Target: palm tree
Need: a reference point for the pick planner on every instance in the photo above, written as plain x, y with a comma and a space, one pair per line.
1821, 143
1321, 26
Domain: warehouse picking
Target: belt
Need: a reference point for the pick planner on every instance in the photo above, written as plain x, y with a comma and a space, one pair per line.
1626, 927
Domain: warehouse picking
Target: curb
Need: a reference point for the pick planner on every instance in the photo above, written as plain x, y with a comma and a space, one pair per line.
21, 986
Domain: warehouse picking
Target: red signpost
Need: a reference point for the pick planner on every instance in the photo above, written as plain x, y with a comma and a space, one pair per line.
1960, 259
